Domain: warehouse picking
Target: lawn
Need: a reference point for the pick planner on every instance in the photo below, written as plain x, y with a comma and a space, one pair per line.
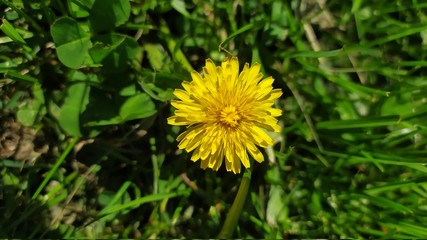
87, 151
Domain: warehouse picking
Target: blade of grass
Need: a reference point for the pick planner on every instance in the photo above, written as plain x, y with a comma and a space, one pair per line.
177, 53
23, 14
313, 54
369, 122
380, 233
241, 30
385, 203
11, 32
401, 34
116, 197
391, 187
19, 77
55, 167
137, 202
406, 227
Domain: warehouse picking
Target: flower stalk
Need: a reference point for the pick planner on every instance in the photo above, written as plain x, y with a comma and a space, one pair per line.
233, 215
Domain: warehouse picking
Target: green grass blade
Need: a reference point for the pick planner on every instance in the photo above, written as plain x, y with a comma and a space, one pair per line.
116, 197
241, 30
55, 167
369, 122
137, 202
20, 77
11, 32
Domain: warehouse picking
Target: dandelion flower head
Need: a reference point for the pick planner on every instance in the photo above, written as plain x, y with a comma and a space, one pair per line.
227, 113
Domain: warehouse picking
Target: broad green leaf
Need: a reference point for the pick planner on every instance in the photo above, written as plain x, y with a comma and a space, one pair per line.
101, 50
101, 110
114, 51
156, 92
104, 122
156, 55
74, 104
77, 9
72, 42
108, 14
129, 90
179, 5
28, 114
163, 80
276, 207
83, 4
159, 85
138, 106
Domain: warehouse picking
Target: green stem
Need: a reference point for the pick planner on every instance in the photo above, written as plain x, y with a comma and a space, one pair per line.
236, 209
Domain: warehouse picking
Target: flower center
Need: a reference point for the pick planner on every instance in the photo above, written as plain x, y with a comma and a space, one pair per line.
230, 116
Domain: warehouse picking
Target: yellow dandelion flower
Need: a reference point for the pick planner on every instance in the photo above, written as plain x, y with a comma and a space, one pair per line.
226, 114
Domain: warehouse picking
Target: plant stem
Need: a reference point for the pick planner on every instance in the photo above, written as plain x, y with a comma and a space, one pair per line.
233, 216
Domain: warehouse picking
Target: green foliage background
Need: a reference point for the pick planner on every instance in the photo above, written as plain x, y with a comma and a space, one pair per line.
86, 151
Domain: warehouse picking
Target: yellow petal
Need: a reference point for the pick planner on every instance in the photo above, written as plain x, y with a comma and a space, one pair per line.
254, 75
191, 139
229, 156
228, 166
196, 155
269, 123
210, 68
275, 112
236, 165
183, 95
197, 78
275, 94
178, 121
186, 85
187, 106
215, 160
260, 137
267, 82
204, 163
254, 151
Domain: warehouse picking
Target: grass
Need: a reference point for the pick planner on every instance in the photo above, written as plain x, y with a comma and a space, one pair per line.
86, 151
